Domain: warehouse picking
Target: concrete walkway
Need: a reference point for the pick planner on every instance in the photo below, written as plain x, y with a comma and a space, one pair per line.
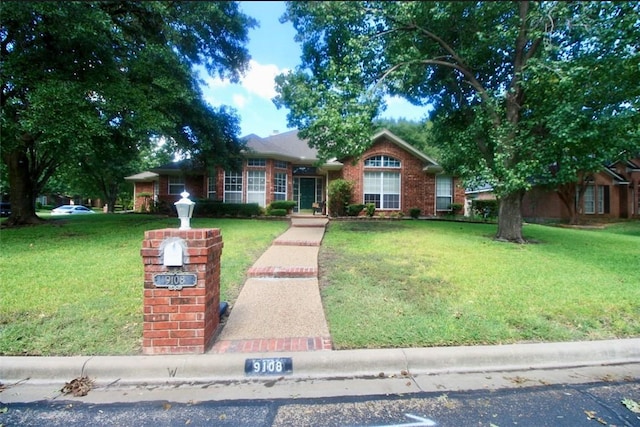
279, 307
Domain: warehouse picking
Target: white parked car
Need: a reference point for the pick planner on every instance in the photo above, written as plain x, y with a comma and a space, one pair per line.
71, 209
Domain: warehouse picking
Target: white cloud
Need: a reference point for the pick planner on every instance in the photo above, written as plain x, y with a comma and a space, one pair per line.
260, 79
239, 100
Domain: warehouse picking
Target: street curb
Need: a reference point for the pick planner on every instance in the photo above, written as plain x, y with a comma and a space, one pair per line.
175, 369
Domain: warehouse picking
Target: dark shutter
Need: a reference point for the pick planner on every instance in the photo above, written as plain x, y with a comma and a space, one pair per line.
606, 199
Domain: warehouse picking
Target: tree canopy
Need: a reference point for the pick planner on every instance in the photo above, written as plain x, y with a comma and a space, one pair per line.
87, 84
519, 90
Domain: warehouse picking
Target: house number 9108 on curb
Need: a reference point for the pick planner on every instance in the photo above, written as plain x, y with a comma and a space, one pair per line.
268, 366
175, 281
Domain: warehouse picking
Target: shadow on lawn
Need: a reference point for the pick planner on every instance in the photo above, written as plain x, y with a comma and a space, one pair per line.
373, 226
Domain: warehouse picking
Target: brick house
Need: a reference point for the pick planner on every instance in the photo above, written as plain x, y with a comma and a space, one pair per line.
392, 174
612, 193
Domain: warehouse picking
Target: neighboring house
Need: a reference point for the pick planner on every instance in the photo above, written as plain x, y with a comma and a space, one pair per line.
612, 193
392, 174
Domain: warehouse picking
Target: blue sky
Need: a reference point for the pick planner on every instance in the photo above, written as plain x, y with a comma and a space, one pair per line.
273, 51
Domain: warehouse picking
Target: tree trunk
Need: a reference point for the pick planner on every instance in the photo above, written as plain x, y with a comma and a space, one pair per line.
21, 192
510, 218
567, 193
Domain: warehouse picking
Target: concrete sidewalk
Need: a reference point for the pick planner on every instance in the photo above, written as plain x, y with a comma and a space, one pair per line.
279, 307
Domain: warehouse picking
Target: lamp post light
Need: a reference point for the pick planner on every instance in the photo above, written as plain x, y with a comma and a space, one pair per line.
184, 207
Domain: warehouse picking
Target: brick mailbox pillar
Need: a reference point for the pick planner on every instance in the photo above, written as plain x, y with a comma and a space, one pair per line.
181, 290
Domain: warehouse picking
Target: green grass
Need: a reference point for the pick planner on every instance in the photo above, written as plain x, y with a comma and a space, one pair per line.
426, 283
74, 286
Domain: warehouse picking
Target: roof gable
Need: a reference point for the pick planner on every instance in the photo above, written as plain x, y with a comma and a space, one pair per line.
385, 133
431, 165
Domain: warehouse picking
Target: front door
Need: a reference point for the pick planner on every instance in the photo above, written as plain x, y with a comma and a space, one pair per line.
307, 192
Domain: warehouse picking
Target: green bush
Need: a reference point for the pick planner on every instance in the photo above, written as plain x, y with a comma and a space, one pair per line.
354, 210
216, 208
415, 213
456, 207
340, 193
287, 205
277, 212
371, 209
485, 208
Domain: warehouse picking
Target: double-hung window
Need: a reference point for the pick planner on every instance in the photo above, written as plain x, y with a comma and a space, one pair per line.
176, 184
256, 187
211, 185
589, 200
382, 187
444, 192
280, 186
233, 187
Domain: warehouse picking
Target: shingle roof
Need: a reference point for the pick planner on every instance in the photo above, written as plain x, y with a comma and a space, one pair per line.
143, 176
286, 146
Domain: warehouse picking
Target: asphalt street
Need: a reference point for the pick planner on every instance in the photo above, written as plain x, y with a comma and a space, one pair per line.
578, 396
593, 404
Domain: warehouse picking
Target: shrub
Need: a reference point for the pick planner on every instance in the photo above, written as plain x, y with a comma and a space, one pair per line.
277, 212
287, 205
485, 208
276, 206
456, 207
415, 213
216, 208
340, 193
354, 210
371, 209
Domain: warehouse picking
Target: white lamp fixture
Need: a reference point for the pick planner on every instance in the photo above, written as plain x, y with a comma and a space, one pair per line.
184, 207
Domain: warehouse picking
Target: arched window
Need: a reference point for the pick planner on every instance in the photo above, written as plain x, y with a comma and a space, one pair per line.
382, 187
381, 162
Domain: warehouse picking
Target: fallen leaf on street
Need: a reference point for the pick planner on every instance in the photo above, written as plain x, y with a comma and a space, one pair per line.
631, 405
78, 386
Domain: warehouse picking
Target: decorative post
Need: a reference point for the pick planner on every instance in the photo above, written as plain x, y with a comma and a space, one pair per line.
181, 286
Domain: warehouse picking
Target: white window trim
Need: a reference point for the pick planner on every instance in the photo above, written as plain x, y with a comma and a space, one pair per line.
381, 191
450, 195
382, 161
592, 190
211, 194
262, 194
275, 185
226, 192
261, 162
181, 182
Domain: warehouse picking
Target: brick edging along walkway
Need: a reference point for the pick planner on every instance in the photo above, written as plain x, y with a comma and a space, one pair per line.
283, 272
273, 345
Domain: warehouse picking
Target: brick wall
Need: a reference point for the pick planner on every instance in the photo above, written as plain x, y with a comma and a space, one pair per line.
195, 185
418, 188
182, 321
142, 203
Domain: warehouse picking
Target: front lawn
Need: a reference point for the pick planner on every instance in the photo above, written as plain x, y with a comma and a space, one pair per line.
74, 286
428, 283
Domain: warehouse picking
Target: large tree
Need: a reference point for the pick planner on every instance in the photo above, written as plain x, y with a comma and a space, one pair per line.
485, 69
89, 83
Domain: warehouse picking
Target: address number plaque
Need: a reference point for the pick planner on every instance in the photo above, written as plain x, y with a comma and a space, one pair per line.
175, 281
268, 366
